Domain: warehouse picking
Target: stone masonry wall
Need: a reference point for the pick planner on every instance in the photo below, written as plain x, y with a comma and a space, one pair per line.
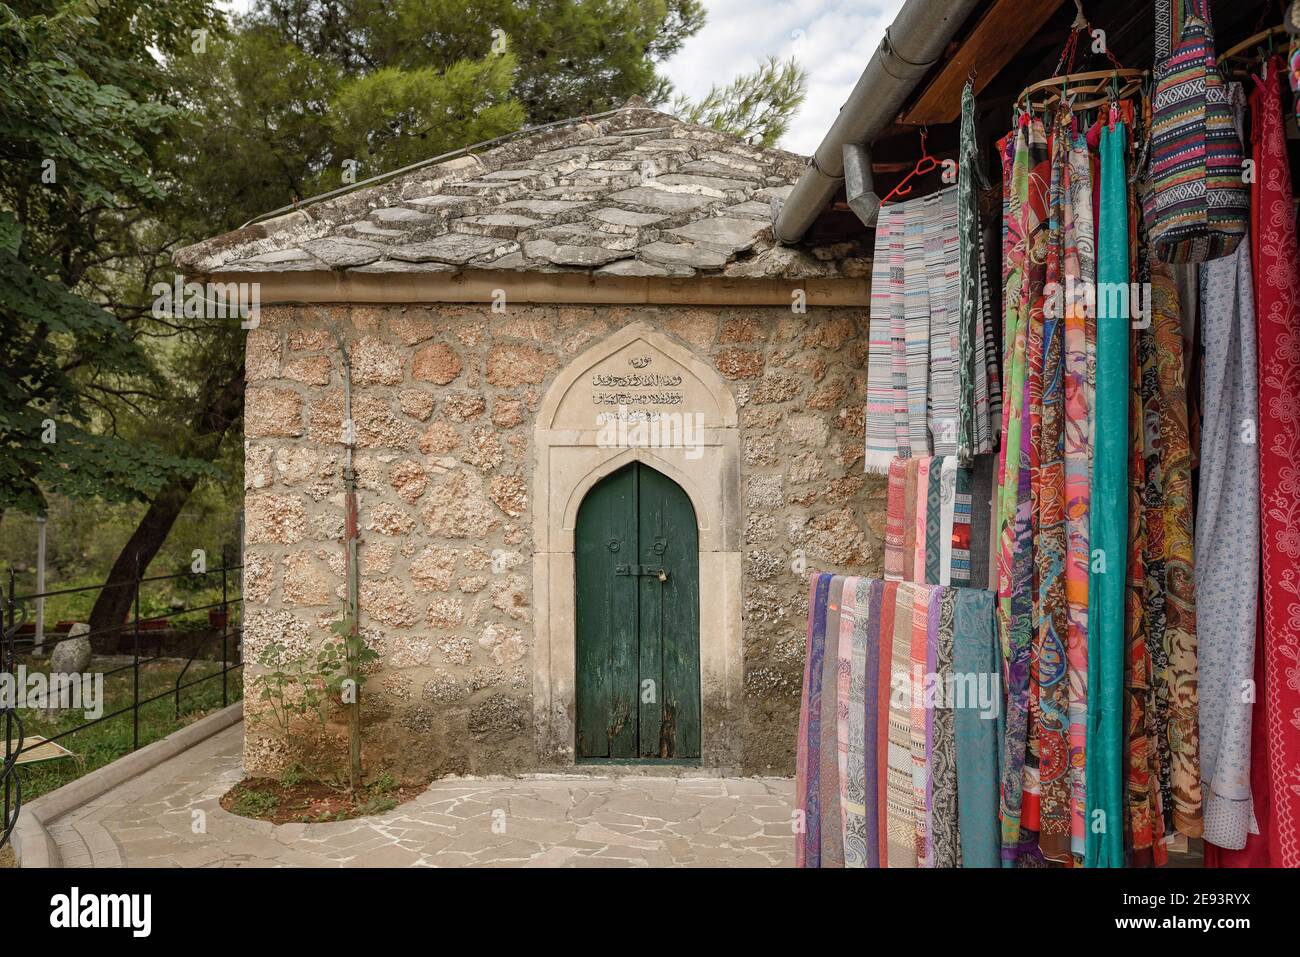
443, 404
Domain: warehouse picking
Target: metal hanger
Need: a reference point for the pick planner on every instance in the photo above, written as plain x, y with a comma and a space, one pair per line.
926, 164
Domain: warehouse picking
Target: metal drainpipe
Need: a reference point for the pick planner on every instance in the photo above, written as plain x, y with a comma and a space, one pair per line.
912, 44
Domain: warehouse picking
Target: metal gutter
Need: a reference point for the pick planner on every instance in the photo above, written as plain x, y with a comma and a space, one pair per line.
913, 43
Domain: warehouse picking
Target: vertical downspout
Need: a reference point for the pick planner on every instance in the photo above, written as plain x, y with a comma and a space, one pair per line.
352, 570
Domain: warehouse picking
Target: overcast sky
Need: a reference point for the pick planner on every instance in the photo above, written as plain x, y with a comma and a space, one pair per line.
831, 39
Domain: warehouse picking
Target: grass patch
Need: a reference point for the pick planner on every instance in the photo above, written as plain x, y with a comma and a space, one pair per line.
109, 740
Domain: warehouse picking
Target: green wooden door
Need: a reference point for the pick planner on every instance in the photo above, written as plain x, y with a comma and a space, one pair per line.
638, 625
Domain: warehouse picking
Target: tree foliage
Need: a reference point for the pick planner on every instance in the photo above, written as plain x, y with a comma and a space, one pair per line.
132, 127
80, 120
757, 106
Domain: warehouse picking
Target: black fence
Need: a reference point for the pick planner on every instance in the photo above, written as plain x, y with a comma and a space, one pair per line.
142, 638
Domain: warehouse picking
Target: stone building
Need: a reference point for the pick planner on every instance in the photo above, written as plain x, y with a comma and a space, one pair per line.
604, 426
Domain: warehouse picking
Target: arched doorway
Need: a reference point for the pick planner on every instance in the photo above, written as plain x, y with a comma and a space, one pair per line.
636, 571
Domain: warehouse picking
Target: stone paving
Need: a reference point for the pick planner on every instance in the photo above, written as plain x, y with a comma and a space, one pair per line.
169, 817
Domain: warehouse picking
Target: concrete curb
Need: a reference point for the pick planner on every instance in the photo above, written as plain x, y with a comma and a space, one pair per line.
31, 839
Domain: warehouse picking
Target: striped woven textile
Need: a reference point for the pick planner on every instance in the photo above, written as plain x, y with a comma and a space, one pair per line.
916, 326
947, 516
857, 748
943, 273
902, 797
919, 662
832, 835
914, 344
890, 721
959, 564
807, 848
882, 397
848, 712
884, 705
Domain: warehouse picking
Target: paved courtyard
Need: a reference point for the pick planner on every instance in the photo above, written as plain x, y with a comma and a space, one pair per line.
169, 817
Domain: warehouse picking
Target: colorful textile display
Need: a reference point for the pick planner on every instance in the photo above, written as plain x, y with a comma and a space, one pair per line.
1277, 310
916, 395
917, 705
946, 538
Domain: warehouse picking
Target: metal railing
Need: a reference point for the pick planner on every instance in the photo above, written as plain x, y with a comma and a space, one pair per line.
14, 615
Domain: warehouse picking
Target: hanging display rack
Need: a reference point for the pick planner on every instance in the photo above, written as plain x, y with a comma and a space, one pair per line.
1247, 55
1084, 90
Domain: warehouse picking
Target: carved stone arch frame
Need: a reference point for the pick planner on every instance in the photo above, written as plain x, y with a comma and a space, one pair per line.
570, 457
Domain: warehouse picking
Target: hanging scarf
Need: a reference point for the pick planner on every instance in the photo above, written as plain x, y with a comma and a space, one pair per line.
1227, 543
961, 545
902, 797
1080, 274
1016, 576
917, 670
895, 510
864, 719
1108, 525
848, 712
948, 520
942, 823
1050, 672
916, 325
922, 518
832, 846
910, 496
807, 852
1144, 597
978, 483
1170, 562
942, 271
931, 568
889, 602
886, 363
977, 731
973, 432
1277, 284
991, 354
1014, 506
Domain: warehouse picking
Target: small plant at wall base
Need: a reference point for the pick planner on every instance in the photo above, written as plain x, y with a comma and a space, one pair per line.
353, 655
299, 690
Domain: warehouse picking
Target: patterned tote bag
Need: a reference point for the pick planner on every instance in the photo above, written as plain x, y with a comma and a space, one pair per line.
1199, 205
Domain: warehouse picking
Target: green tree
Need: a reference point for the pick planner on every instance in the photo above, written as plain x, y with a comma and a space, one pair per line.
574, 57
757, 106
80, 119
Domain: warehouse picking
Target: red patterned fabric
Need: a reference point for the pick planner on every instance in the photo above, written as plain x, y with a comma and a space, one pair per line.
1278, 321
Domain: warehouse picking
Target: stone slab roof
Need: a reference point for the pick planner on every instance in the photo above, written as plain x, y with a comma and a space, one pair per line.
636, 193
